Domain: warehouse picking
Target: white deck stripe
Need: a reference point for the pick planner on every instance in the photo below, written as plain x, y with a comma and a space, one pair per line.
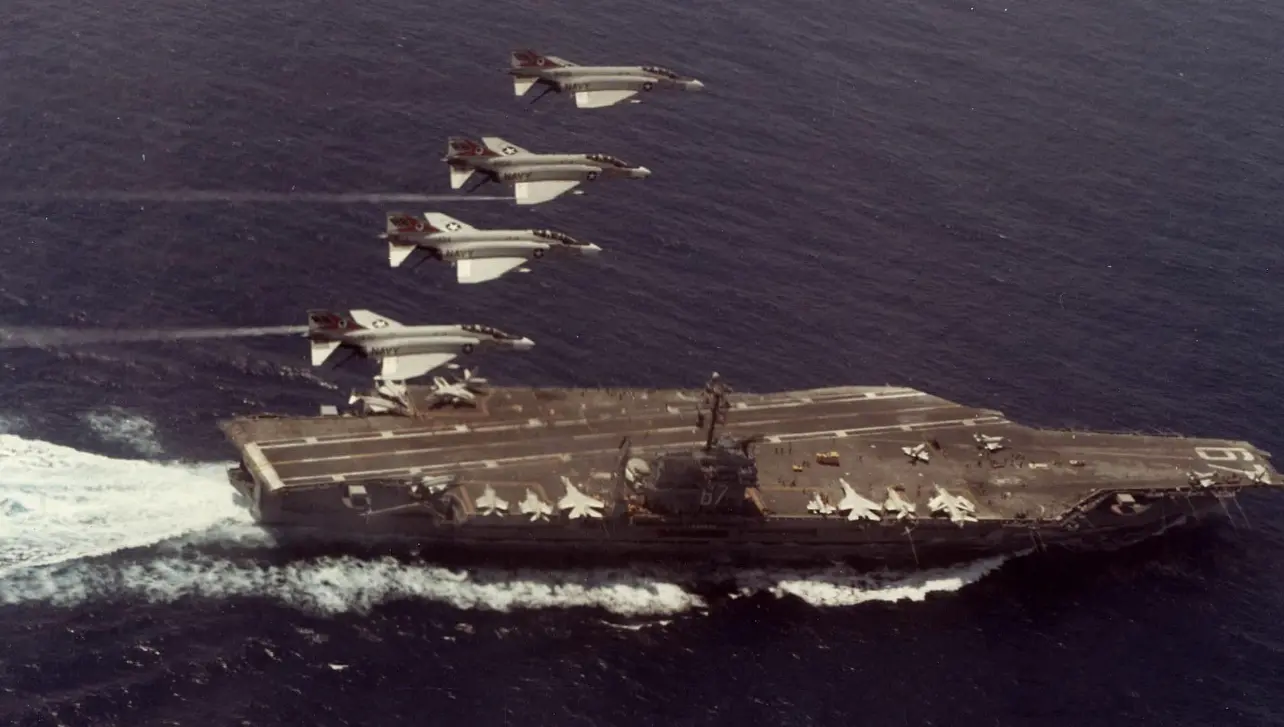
457, 428
586, 435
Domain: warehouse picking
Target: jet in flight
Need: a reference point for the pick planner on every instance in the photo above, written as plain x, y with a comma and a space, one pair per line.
536, 177
594, 86
478, 255
403, 352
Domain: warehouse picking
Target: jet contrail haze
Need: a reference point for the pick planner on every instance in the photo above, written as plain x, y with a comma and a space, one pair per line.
205, 196
70, 337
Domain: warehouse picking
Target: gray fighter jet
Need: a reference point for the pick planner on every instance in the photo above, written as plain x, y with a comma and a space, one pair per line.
403, 352
536, 178
594, 87
478, 255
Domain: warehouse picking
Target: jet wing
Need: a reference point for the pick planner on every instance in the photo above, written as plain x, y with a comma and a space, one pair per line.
408, 366
444, 222
536, 192
603, 98
503, 146
479, 270
370, 319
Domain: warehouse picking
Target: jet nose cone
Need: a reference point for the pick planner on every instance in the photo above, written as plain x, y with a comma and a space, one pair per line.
641, 172
591, 249
524, 344
695, 85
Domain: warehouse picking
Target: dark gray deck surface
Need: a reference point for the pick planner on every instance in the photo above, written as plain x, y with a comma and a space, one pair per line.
531, 438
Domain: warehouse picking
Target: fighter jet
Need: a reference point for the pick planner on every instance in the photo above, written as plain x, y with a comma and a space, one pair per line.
403, 352
536, 177
462, 392
478, 255
445, 392
594, 86
388, 397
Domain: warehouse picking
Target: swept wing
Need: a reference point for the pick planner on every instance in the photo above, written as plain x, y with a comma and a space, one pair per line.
479, 270
399, 367
602, 98
537, 192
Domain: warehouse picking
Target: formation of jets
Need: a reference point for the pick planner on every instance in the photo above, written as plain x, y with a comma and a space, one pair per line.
482, 255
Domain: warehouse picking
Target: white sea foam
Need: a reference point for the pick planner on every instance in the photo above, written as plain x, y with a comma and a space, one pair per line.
117, 425
58, 504
12, 423
60, 509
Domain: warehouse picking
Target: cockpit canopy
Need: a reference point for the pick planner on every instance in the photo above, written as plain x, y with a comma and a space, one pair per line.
558, 237
658, 71
608, 159
489, 331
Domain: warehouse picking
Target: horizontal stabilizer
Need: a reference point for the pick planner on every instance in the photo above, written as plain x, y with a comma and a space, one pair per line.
522, 85
458, 176
322, 350
397, 254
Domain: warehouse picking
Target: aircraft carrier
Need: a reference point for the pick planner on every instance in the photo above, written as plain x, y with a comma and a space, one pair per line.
878, 476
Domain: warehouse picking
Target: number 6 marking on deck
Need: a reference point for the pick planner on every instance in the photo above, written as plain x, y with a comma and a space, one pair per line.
1224, 454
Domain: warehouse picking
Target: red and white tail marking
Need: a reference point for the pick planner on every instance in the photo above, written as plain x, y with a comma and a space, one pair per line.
527, 58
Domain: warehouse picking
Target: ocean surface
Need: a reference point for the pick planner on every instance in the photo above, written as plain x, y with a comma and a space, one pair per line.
1069, 212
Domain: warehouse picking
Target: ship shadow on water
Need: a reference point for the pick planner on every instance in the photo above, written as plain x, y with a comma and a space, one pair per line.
1185, 557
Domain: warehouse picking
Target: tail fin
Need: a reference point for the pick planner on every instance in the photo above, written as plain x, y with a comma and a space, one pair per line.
524, 67
461, 147
527, 58
459, 151
323, 329
328, 323
400, 223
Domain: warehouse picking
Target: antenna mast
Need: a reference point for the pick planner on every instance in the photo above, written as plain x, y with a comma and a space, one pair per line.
715, 402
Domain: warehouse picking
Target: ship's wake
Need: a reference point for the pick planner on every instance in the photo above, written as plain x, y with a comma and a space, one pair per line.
78, 527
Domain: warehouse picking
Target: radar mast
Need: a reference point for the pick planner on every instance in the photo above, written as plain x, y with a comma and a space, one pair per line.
714, 402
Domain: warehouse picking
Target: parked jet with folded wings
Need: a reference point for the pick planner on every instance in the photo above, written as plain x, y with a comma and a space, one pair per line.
536, 178
404, 352
478, 255
594, 86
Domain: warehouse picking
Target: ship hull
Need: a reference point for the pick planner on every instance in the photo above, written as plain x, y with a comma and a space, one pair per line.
884, 545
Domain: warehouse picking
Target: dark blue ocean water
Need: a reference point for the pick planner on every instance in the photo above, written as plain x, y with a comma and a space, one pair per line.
1066, 212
